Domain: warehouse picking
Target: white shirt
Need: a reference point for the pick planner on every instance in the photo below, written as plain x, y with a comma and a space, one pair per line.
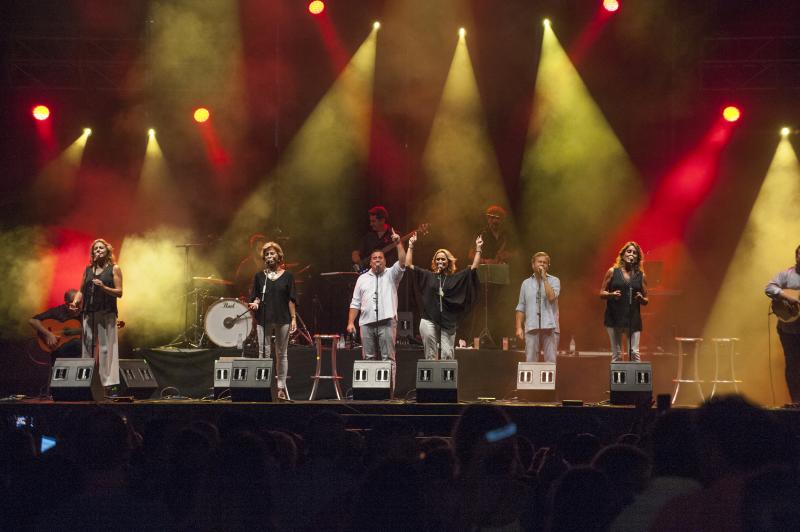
364, 294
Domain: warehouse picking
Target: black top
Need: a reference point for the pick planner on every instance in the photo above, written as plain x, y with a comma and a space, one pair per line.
492, 245
371, 241
274, 307
459, 292
95, 299
624, 312
59, 313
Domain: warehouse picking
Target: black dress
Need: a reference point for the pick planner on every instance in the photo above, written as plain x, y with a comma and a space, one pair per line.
459, 293
623, 313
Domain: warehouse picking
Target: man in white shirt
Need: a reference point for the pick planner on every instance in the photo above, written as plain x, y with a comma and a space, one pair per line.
375, 298
537, 310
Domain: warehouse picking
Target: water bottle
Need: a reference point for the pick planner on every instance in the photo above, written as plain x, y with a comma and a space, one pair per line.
239, 342
572, 345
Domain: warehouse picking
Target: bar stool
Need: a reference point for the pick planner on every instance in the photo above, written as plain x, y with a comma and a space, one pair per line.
720, 344
334, 376
693, 377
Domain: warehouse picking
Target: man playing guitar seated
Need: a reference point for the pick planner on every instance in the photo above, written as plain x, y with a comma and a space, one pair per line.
59, 329
784, 289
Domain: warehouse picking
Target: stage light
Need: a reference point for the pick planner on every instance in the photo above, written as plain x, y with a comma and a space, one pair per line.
201, 114
731, 113
151, 132
610, 5
87, 131
316, 7
462, 32
546, 23
41, 112
785, 131
376, 25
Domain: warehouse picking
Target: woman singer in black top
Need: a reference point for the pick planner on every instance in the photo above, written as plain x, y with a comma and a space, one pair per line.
443, 297
100, 288
274, 299
625, 289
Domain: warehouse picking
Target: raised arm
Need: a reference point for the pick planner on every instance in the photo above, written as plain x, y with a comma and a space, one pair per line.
476, 260
401, 250
410, 253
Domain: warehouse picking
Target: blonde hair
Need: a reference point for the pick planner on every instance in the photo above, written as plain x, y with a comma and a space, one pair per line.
109, 249
451, 260
275, 246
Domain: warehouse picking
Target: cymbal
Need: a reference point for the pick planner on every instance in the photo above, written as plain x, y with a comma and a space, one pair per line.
290, 265
212, 280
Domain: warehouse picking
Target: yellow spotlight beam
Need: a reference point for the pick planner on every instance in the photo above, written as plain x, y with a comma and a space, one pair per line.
575, 171
463, 176
156, 196
766, 246
56, 181
315, 174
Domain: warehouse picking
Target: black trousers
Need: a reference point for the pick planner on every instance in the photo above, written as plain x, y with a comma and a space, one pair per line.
791, 350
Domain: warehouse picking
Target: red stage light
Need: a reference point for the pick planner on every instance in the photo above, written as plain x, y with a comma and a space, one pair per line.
201, 114
610, 5
41, 112
731, 113
316, 7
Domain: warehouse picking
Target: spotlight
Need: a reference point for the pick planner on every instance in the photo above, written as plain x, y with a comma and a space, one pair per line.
376, 25
731, 113
610, 5
201, 114
462, 32
546, 23
151, 132
785, 131
87, 131
316, 7
41, 112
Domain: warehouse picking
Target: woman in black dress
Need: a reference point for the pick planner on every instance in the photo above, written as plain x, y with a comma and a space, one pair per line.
625, 289
273, 298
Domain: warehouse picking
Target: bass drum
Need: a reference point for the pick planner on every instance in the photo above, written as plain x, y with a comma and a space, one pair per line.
228, 321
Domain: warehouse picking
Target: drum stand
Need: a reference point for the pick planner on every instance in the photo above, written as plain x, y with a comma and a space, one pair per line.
191, 336
301, 333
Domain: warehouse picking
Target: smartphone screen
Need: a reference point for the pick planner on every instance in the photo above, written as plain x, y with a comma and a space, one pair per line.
48, 442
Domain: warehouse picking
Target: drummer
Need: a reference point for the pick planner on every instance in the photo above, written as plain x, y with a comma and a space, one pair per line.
274, 300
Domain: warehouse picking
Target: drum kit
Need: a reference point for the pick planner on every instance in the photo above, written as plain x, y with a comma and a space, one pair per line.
214, 317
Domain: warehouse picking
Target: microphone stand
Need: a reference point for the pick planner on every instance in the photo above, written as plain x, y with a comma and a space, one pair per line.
539, 312
630, 319
264, 317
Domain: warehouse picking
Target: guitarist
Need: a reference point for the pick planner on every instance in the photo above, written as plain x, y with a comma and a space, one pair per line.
378, 237
783, 289
61, 313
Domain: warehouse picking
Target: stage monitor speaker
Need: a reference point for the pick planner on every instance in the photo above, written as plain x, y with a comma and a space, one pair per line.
372, 379
136, 378
222, 376
71, 379
631, 383
251, 379
536, 381
437, 381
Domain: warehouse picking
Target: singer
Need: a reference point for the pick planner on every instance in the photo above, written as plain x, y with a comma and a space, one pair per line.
100, 288
375, 298
443, 296
274, 300
625, 289
537, 310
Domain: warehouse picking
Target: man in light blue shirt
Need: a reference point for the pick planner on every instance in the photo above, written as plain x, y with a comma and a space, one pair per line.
537, 310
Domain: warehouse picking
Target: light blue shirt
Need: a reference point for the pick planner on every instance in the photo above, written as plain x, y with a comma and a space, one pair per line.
532, 296
788, 278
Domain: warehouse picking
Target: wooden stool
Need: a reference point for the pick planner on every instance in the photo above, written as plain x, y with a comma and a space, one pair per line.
719, 346
693, 377
334, 376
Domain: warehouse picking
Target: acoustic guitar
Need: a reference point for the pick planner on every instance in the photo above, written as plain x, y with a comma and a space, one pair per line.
64, 331
785, 311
